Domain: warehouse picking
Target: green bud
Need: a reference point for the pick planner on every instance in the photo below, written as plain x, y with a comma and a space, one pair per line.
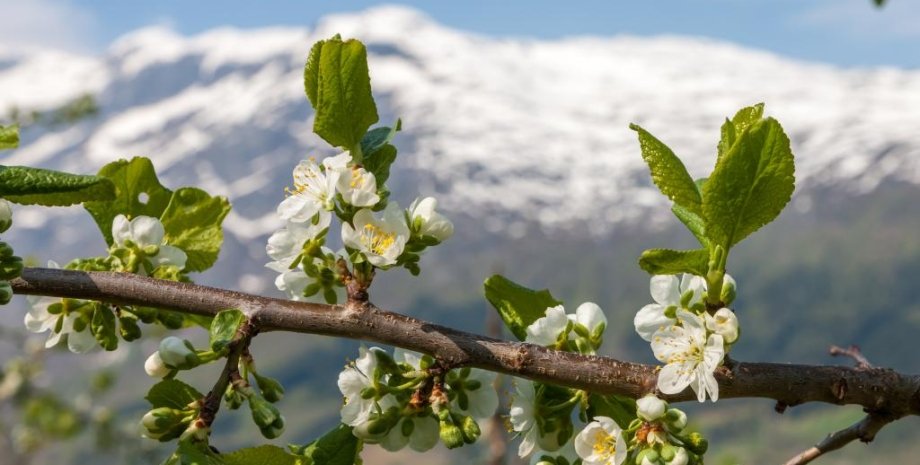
696, 443
10, 268
667, 452
233, 397
470, 429
271, 389
197, 431
6, 215
178, 353
643, 456
676, 419
426, 362
6, 292
264, 414
164, 423
728, 290
5, 251
451, 435
275, 429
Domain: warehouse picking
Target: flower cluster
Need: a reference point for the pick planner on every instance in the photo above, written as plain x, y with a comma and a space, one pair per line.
685, 336
376, 233
406, 400
658, 436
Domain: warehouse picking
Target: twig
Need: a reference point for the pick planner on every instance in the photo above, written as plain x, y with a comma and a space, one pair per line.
238, 346
877, 390
865, 431
853, 352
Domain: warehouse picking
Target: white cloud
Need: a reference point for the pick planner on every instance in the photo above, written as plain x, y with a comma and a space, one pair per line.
55, 24
898, 19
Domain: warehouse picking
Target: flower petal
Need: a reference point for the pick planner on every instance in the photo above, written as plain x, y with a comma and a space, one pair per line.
147, 230
665, 290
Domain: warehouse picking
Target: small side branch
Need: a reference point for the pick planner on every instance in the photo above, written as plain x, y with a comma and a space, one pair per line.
212, 401
853, 352
865, 431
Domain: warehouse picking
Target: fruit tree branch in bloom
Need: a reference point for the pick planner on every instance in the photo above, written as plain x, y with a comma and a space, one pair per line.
878, 390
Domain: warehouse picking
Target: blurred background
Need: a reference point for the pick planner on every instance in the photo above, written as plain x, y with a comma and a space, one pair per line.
515, 116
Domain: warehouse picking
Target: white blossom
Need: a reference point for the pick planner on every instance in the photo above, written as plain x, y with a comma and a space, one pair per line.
680, 457
724, 323
147, 232
155, 366
601, 443
353, 380
590, 315
313, 192
357, 185
424, 434
666, 291
286, 244
380, 240
39, 320
483, 400
524, 421
690, 357
547, 329
428, 222
650, 407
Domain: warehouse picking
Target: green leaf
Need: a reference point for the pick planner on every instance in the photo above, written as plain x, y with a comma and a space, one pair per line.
338, 85
192, 221
750, 185
517, 305
195, 453
36, 186
693, 222
379, 163
378, 137
621, 409
224, 327
9, 137
261, 455
172, 393
103, 327
667, 261
668, 172
337, 447
733, 128
138, 192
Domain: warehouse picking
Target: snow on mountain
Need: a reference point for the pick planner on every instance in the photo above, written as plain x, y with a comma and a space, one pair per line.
516, 130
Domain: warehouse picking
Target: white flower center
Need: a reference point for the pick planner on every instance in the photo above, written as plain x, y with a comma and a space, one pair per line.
357, 178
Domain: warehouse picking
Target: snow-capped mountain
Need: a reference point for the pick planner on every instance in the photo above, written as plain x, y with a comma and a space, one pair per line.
519, 132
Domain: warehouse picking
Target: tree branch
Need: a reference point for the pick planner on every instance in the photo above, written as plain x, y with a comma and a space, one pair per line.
865, 430
875, 389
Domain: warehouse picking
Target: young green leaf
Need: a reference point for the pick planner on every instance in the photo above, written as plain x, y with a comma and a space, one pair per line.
378, 137
693, 222
192, 221
668, 172
338, 84
103, 327
194, 453
517, 305
733, 128
36, 186
750, 185
9, 137
379, 163
337, 447
172, 393
137, 192
667, 261
224, 327
262, 455
621, 409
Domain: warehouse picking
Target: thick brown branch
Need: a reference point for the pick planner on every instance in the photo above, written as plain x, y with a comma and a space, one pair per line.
875, 389
865, 431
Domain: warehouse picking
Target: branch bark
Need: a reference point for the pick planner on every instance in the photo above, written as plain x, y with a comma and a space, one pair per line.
865, 430
876, 389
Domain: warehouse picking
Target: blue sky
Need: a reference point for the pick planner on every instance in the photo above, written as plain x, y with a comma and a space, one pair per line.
843, 32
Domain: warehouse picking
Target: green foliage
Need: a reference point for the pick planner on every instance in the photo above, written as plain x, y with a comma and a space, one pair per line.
224, 327
192, 221
337, 447
338, 84
734, 127
668, 172
750, 185
262, 455
693, 222
9, 137
137, 192
517, 305
36, 186
172, 393
621, 409
379, 154
103, 326
667, 261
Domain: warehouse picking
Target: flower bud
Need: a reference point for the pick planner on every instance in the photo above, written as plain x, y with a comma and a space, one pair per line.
724, 323
451, 435
6, 215
650, 407
163, 423
233, 397
197, 431
696, 443
6, 292
680, 457
178, 353
470, 429
5, 251
275, 429
427, 222
647, 457
264, 414
155, 367
10, 268
728, 290
271, 389
676, 419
